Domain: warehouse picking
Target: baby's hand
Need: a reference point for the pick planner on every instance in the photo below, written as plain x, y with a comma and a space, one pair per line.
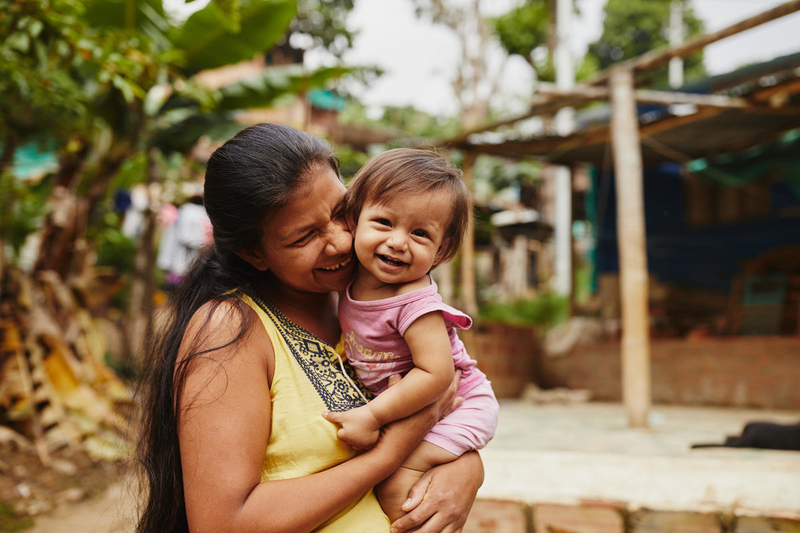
359, 428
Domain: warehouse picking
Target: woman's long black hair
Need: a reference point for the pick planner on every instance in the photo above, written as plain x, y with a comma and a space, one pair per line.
248, 180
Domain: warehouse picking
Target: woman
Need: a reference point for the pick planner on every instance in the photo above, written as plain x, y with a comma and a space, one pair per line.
233, 438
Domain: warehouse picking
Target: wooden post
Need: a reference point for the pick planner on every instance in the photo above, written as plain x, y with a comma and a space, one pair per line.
632, 244
468, 295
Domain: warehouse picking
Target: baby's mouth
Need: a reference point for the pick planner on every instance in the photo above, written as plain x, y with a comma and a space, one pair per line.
391, 260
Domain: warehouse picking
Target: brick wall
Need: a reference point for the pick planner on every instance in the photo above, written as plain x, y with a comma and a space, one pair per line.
506, 354
728, 371
503, 516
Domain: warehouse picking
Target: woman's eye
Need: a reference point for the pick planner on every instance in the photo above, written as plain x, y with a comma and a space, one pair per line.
302, 240
419, 233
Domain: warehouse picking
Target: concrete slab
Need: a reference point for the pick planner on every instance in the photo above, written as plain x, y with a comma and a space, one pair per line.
579, 454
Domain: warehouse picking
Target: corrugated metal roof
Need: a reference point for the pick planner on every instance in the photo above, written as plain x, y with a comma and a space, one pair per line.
670, 134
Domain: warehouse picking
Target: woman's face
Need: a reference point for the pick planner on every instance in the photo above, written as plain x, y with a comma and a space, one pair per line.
307, 245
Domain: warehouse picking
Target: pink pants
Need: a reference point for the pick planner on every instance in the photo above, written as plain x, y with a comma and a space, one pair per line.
471, 426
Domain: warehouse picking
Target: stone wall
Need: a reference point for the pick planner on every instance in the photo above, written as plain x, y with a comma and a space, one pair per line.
506, 354
725, 371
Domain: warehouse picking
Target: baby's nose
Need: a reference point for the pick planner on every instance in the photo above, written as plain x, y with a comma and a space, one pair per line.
397, 240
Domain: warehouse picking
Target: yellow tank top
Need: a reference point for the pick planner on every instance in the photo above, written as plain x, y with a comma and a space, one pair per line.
308, 380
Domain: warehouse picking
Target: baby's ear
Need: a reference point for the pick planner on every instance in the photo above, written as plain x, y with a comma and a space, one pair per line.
440, 253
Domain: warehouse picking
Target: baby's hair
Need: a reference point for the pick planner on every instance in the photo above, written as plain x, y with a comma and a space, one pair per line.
403, 171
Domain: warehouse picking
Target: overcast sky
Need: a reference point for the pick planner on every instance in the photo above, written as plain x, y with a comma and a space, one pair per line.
418, 57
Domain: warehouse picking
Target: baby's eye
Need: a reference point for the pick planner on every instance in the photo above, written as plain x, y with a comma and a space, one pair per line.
383, 221
419, 233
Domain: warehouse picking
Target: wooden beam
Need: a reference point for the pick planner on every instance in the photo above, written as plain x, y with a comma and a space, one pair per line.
656, 58
588, 92
468, 292
789, 88
632, 243
600, 134
555, 99
541, 107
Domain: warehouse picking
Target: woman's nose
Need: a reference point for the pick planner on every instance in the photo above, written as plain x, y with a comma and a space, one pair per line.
340, 239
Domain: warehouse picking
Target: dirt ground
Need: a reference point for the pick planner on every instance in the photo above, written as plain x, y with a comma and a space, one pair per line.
69, 496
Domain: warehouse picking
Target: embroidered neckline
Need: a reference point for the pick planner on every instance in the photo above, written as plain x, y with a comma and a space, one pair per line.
266, 305
316, 358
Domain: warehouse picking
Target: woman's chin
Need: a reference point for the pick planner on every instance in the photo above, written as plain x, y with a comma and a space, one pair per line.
336, 280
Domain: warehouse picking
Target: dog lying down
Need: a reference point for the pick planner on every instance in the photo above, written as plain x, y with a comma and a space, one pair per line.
767, 435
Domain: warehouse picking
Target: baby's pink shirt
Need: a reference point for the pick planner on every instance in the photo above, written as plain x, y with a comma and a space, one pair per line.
374, 343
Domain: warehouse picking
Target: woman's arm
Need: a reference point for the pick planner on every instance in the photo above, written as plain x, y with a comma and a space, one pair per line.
224, 428
441, 500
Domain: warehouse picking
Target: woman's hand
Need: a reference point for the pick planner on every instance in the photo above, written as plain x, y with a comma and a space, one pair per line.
441, 500
448, 402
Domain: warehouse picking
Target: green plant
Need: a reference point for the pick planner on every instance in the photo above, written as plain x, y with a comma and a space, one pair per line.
113, 248
10, 521
22, 209
546, 310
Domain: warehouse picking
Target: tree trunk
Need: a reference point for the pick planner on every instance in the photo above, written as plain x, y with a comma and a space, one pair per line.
468, 293
59, 230
58, 233
138, 317
7, 156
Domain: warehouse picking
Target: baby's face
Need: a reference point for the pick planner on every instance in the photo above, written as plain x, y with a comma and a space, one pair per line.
401, 241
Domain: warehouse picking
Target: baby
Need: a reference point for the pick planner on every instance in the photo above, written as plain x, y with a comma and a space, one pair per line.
410, 210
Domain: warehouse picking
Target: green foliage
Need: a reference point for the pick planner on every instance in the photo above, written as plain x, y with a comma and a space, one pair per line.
405, 121
417, 123
23, 208
547, 310
499, 173
484, 229
524, 29
109, 79
325, 23
11, 522
634, 27
146, 16
206, 43
350, 160
183, 122
273, 83
43, 47
113, 248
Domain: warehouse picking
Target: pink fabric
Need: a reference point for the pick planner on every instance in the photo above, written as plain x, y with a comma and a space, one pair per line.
374, 344
471, 426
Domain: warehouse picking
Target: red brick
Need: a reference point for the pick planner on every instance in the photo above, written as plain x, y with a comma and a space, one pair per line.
751, 524
569, 519
497, 516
